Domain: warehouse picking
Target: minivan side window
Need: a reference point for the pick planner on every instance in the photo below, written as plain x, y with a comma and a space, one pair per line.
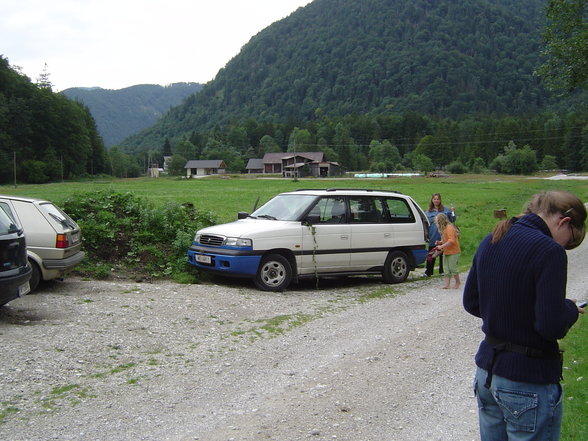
331, 210
366, 210
399, 212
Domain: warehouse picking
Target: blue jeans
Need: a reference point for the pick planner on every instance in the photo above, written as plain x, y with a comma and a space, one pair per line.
515, 411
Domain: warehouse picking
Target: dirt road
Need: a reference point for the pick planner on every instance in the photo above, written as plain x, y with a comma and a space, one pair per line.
355, 360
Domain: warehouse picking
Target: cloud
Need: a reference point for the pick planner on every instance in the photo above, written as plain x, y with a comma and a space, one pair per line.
115, 44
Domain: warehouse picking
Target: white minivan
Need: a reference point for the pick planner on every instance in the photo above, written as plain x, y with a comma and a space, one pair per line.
317, 233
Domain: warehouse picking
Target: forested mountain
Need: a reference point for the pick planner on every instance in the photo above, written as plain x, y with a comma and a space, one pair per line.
121, 113
447, 58
44, 136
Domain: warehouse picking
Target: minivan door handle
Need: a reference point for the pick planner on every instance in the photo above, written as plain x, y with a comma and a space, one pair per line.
387, 235
344, 237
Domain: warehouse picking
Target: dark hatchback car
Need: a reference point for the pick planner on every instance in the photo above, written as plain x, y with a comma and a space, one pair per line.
15, 271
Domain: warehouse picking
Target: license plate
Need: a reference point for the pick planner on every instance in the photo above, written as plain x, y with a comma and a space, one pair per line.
24, 289
201, 258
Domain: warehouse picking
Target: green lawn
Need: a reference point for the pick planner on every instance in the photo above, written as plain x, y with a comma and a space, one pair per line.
475, 196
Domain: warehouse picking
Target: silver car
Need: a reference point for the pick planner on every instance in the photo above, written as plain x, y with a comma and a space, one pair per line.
53, 238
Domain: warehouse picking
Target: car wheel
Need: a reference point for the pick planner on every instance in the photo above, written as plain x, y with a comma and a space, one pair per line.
35, 275
396, 268
274, 273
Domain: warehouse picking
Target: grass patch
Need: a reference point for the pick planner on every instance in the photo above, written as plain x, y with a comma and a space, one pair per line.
275, 326
58, 391
70, 393
384, 292
575, 419
7, 410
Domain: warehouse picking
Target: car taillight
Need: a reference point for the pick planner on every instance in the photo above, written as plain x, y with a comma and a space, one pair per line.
62, 241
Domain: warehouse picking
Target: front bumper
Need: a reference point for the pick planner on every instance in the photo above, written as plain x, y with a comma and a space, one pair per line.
227, 261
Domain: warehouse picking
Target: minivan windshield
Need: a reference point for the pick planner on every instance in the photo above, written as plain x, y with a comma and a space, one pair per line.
286, 207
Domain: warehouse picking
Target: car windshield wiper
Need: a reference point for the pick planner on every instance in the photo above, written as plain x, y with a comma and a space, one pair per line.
60, 220
267, 216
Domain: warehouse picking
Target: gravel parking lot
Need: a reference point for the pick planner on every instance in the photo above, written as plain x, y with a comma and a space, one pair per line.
352, 360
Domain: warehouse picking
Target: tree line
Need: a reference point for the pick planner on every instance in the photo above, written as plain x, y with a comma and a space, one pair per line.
411, 141
44, 136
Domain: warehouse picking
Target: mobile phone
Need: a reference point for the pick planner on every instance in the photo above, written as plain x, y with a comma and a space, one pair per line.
582, 304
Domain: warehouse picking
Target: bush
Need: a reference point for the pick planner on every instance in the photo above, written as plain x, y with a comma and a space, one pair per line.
477, 165
456, 167
132, 235
422, 163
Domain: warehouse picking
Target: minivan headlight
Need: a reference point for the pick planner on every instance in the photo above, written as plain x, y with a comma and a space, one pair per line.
238, 242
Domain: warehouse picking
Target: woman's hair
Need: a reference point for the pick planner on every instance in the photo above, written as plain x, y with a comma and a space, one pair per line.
441, 221
550, 203
432, 206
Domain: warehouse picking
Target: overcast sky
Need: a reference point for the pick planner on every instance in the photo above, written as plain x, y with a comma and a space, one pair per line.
119, 43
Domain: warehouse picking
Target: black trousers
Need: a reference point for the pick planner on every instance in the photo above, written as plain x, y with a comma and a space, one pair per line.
431, 265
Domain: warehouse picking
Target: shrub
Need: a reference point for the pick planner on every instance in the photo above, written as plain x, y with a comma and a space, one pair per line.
477, 165
456, 167
123, 231
422, 163
549, 162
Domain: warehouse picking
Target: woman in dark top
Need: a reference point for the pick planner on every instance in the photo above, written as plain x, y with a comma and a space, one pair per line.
517, 285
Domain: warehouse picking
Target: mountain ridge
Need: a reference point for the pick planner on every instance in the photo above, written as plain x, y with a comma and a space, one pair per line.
119, 113
446, 58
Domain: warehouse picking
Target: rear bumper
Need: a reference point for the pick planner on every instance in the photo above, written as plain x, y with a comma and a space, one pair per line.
64, 264
420, 256
12, 287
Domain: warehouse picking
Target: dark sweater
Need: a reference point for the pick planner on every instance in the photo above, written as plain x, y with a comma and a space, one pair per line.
518, 287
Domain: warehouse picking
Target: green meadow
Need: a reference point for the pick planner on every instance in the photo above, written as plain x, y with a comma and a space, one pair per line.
475, 196
475, 199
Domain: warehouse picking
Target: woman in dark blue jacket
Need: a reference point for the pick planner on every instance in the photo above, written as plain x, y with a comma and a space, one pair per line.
517, 285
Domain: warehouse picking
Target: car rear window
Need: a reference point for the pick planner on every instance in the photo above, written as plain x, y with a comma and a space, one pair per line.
59, 215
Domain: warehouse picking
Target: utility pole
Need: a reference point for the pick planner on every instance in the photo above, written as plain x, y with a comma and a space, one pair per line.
14, 162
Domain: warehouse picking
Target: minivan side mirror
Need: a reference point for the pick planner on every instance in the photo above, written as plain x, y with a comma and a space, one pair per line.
242, 215
312, 219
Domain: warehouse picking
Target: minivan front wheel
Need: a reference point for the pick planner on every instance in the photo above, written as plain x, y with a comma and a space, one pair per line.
274, 273
396, 268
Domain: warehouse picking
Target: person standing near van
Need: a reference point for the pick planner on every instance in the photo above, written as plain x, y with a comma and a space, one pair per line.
449, 244
436, 207
517, 286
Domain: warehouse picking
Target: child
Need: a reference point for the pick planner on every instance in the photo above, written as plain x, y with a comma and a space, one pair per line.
449, 244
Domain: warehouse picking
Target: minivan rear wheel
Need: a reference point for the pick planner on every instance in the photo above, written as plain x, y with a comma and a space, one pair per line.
274, 273
396, 267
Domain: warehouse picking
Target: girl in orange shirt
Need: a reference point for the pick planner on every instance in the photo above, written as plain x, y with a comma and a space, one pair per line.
449, 244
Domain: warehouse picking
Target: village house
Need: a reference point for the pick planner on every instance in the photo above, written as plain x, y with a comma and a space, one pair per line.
291, 165
197, 167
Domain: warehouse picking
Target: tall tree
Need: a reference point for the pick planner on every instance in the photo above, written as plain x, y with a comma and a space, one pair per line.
566, 45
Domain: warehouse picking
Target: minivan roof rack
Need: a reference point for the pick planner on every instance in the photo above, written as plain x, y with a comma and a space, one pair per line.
348, 189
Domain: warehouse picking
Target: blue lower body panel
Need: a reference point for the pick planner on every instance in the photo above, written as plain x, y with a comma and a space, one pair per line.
233, 264
419, 256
